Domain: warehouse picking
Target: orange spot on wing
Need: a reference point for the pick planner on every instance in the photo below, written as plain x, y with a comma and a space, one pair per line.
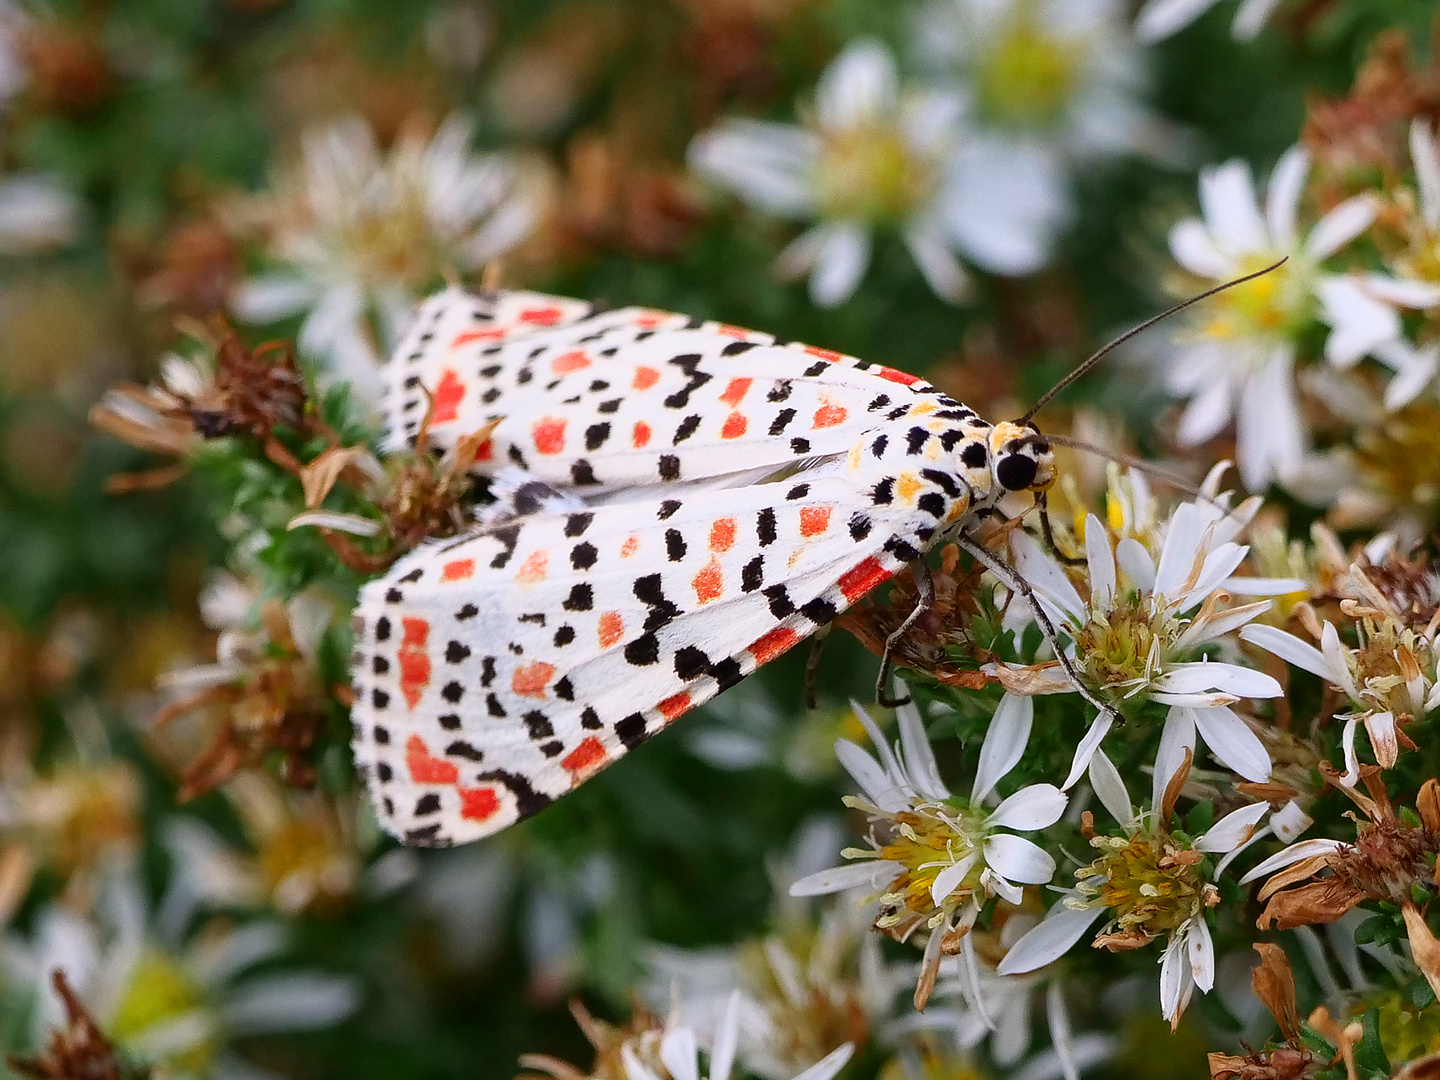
549, 435
426, 769
641, 435
546, 316
449, 392
675, 706
476, 335
534, 568
645, 377
478, 804
900, 377
866, 575
735, 425
612, 628
584, 757
722, 535
709, 583
736, 390
771, 645
458, 570
565, 363
814, 520
414, 660
531, 680
650, 320
731, 331
828, 415
823, 354
631, 545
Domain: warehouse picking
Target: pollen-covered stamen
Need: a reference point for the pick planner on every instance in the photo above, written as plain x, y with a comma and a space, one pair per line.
1280, 302
1122, 648
870, 173
1029, 74
1151, 881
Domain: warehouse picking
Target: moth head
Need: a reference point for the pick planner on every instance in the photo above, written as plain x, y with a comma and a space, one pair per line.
1021, 459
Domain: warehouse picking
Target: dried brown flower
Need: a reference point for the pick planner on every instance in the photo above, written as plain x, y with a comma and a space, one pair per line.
78, 1051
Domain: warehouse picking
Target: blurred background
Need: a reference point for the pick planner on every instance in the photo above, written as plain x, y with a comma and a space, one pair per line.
307, 169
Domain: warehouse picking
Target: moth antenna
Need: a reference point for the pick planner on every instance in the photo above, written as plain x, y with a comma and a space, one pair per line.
1128, 460
1106, 349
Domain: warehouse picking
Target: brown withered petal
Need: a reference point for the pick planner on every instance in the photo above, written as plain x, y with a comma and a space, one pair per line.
1425, 1068
1297, 871
1427, 804
1423, 945
1319, 902
77, 1051
1272, 792
318, 477
1274, 985
1173, 789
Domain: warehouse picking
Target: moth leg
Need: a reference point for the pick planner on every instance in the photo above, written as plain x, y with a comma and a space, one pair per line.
812, 666
1049, 533
1017, 584
924, 601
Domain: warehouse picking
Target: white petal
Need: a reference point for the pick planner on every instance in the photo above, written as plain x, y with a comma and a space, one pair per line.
1291, 855
770, 166
877, 785
1227, 196
293, 1001
1193, 249
1046, 577
1341, 225
1426, 158
1269, 431
1381, 729
1175, 978
678, 1053
1136, 564
950, 878
333, 519
1201, 677
830, 1065
1159, 19
1282, 199
1202, 954
271, 298
860, 86
1004, 745
1035, 807
1231, 740
1337, 657
635, 1069
727, 1037
1358, 321
1177, 737
1289, 648
1411, 377
942, 271
1101, 563
920, 764
840, 264
1003, 203
1198, 633
1290, 821
1251, 17
1099, 728
1402, 291
1110, 789
1233, 829
1182, 544
1264, 586
1019, 859
1061, 928
1351, 776
867, 872
1207, 414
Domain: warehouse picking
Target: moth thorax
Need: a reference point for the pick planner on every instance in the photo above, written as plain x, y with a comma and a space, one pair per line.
1021, 461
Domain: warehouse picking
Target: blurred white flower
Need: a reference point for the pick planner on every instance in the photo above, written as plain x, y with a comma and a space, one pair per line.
358, 236
37, 214
1236, 355
876, 155
934, 859
1161, 18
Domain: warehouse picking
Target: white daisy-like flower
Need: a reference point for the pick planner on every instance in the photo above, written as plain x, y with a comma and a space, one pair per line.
934, 858
1390, 679
875, 155
358, 236
167, 996
1160, 19
1152, 881
1236, 358
1143, 615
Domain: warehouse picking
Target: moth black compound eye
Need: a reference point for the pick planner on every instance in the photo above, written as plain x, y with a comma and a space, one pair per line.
1016, 472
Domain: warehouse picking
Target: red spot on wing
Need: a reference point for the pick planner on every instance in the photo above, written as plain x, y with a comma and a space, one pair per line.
901, 377
709, 583
414, 660
534, 567
828, 415
565, 363
814, 520
737, 389
549, 435
771, 645
476, 335
486, 451
425, 769
824, 354
478, 804
584, 757
531, 679
731, 331
546, 316
735, 425
449, 392
722, 535
866, 575
650, 320
641, 435
458, 570
675, 706
631, 545
645, 377
612, 628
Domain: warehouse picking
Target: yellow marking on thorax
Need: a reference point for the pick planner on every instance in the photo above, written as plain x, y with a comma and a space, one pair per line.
908, 486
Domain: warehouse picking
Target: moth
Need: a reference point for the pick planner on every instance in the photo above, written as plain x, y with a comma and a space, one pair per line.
679, 502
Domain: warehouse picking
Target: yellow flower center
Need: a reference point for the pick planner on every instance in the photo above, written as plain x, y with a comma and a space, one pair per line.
932, 1065
1400, 456
923, 842
1027, 76
160, 992
1275, 304
871, 174
1150, 881
305, 867
1123, 648
830, 1009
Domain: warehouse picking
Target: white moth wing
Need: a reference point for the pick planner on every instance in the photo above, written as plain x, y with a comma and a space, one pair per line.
494, 673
